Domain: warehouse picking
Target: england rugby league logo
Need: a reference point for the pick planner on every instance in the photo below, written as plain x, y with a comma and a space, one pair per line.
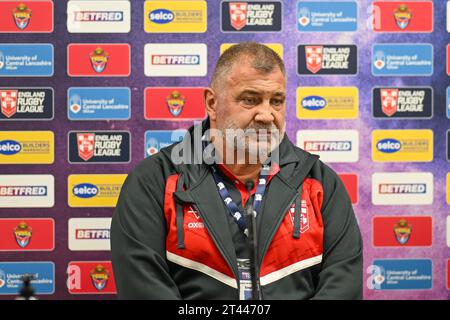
314, 58
86, 143
238, 14
389, 101
9, 102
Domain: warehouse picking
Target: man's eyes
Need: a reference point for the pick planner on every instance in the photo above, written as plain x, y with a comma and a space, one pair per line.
255, 101
276, 102
250, 100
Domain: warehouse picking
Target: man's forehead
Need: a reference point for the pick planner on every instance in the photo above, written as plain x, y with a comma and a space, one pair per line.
248, 77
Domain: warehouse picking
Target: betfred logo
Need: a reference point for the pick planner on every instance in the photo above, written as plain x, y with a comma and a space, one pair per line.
99, 147
89, 234
27, 234
402, 231
350, 181
99, 60
90, 277
402, 188
175, 59
330, 145
174, 104
27, 191
26, 16
402, 16
402, 102
327, 59
98, 16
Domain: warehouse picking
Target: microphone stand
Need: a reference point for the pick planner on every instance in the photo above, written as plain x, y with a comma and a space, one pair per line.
253, 244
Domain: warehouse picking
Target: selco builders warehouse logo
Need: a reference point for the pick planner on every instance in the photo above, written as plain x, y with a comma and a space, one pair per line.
98, 60
26, 60
175, 16
99, 147
89, 234
407, 59
327, 102
327, 16
327, 59
27, 234
400, 274
98, 16
170, 103
11, 274
330, 145
27, 147
402, 16
155, 140
402, 145
27, 191
402, 102
402, 188
90, 277
101, 103
26, 16
94, 190
175, 59
251, 16
402, 231
26, 104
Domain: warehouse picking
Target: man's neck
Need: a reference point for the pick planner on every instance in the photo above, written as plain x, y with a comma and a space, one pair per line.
244, 172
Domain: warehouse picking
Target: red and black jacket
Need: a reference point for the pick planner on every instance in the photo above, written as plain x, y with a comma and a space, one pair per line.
170, 237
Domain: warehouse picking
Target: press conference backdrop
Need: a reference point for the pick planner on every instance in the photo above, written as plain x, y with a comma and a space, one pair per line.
90, 88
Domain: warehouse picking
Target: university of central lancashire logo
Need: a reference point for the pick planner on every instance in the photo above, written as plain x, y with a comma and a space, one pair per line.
389, 101
22, 16
23, 234
175, 102
314, 58
99, 277
402, 231
86, 143
238, 14
9, 102
99, 59
402, 16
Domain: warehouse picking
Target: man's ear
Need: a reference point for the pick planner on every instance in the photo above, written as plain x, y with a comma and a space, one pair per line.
211, 103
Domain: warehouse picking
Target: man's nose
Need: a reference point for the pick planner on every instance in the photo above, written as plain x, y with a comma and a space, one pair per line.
265, 113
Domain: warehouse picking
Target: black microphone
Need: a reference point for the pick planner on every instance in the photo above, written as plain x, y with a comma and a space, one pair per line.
253, 243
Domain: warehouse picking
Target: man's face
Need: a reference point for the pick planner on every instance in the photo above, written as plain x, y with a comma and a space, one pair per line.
254, 102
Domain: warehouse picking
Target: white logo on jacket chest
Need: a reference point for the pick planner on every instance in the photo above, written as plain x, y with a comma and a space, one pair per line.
194, 225
304, 216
